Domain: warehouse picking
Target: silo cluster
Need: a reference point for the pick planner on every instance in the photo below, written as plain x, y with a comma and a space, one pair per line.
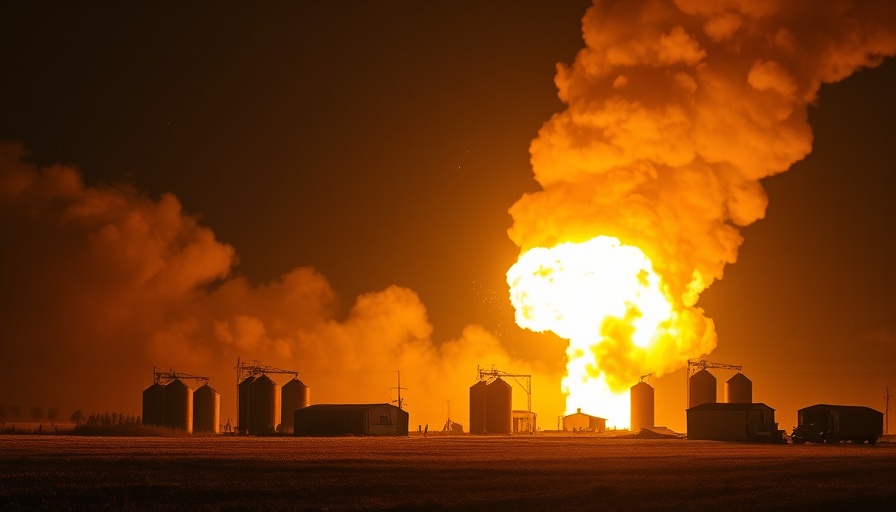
702, 389
642, 406
175, 405
263, 405
491, 407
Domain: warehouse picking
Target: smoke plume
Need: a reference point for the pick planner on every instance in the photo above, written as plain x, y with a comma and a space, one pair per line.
101, 283
676, 110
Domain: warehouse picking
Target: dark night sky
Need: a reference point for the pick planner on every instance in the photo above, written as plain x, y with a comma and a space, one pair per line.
383, 143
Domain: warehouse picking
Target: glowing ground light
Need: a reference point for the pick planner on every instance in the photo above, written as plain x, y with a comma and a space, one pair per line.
591, 293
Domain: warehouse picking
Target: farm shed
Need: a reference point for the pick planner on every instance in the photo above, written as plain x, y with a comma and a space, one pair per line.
581, 421
323, 420
731, 422
523, 422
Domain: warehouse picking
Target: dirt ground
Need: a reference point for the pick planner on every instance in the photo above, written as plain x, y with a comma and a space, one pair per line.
439, 473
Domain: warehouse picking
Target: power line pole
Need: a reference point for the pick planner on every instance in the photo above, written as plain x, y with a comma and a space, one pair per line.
887, 396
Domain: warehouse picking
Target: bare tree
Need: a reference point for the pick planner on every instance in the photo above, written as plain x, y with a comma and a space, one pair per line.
78, 417
52, 415
38, 413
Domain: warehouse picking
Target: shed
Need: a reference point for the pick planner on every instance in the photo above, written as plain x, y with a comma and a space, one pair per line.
581, 421
731, 422
324, 420
523, 422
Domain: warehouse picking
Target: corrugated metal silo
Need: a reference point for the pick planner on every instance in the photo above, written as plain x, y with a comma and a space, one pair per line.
294, 395
206, 410
178, 406
242, 416
739, 390
498, 407
642, 398
477, 407
154, 405
702, 389
264, 405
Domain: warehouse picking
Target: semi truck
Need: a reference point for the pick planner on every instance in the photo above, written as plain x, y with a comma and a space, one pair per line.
825, 423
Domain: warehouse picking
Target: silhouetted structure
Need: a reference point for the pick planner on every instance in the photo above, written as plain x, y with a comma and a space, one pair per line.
524, 422
739, 389
642, 406
702, 389
242, 417
478, 398
498, 407
154, 405
825, 423
579, 421
263, 409
206, 410
733, 422
324, 420
178, 406
293, 395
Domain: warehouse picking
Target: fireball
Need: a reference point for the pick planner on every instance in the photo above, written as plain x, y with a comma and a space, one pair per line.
607, 300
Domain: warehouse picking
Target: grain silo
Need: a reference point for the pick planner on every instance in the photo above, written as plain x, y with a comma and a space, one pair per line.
178, 406
263, 408
242, 418
206, 410
294, 395
642, 404
154, 405
701, 389
739, 390
498, 407
477, 407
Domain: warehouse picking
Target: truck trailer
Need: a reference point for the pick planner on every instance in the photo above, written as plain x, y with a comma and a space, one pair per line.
825, 423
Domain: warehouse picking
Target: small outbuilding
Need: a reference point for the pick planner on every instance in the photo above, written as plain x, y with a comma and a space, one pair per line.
579, 421
732, 422
324, 420
523, 422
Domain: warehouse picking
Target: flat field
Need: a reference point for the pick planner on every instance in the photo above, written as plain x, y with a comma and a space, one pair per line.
439, 473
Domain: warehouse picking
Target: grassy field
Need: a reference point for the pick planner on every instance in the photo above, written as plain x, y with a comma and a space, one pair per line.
439, 473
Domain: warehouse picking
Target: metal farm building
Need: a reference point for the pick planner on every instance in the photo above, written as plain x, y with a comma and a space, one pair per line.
731, 422
326, 420
579, 421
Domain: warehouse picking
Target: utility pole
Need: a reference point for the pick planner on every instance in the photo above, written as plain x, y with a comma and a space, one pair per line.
399, 388
887, 396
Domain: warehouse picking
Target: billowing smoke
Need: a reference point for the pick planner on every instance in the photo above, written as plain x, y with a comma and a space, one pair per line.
102, 283
676, 110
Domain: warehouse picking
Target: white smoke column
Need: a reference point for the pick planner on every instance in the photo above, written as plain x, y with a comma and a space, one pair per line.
676, 111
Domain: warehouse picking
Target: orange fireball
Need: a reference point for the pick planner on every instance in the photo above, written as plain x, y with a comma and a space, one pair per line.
607, 300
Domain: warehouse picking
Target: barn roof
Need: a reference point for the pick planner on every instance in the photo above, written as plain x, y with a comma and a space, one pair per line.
333, 407
730, 407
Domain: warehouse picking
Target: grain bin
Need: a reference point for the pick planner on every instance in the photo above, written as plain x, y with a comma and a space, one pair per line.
642, 402
178, 406
294, 395
154, 405
739, 390
477, 407
242, 418
498, 407
264, 405
702, 389
206, 410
